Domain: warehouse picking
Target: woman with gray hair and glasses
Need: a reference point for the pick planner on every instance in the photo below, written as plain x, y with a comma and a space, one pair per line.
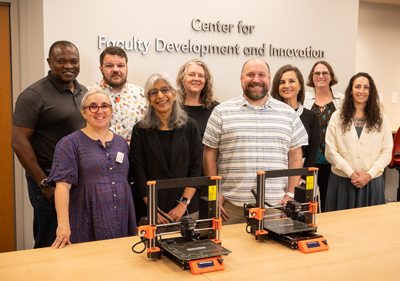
93, 198
166, 144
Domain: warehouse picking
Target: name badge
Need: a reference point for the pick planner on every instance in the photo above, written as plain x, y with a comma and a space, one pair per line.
120, 157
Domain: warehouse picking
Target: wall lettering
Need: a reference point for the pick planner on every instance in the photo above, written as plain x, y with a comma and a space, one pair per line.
188, 46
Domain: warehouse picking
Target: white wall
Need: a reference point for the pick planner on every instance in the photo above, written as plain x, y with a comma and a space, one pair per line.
378, 45
28, 65
325, 25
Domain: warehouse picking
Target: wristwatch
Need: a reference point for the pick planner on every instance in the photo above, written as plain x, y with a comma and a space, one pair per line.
43, 184
185, 200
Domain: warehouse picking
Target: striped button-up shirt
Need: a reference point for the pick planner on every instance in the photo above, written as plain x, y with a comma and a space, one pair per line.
252, 139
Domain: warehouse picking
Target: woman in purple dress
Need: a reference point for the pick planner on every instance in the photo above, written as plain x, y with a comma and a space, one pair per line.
93, 198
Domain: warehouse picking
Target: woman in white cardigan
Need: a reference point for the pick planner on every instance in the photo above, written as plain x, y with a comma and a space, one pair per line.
359, 146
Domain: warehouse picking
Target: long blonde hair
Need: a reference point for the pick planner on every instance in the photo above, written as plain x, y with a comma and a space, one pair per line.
207, 93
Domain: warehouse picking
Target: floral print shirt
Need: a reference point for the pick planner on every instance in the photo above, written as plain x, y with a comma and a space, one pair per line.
129, 106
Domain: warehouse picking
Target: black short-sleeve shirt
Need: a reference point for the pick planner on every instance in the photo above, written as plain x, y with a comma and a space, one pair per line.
200, 114
52, 111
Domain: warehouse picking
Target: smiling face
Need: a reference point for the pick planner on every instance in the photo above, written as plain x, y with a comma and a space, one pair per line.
255, 80
64, 64
289, 86
114, 70
195, 79
360, 90
162, 102
321, 81
100, 119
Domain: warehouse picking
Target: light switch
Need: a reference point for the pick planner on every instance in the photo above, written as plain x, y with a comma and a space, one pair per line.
380, 97
394, 97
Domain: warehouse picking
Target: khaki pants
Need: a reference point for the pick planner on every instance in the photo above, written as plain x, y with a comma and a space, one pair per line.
236, 214
194, 215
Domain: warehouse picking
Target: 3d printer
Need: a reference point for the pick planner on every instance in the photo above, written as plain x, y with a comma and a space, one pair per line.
199, 245
298, 229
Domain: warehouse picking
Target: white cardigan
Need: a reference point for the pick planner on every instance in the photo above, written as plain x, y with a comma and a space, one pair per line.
370, 153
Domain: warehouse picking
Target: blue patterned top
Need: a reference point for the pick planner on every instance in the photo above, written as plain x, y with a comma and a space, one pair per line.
324, 114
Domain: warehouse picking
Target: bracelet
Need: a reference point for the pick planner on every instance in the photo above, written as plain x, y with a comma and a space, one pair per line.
182, 204
289, 194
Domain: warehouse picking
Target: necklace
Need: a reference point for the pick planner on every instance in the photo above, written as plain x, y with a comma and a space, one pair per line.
321, 108
359, 122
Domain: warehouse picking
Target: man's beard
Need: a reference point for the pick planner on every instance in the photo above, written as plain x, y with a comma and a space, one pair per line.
253, 96
115, 85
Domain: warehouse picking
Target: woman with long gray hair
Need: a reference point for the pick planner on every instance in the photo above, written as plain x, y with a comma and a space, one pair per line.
166, 144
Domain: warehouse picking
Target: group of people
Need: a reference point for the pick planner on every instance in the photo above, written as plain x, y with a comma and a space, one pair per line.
89, 152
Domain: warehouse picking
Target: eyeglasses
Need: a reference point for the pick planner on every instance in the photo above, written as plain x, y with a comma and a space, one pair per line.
94, 108
324, 73
164, 91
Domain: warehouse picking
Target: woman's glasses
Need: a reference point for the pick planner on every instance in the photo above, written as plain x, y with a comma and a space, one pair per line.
94, 108
163, 90
324, 73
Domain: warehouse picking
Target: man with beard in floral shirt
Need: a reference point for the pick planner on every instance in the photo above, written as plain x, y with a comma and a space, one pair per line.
127, 99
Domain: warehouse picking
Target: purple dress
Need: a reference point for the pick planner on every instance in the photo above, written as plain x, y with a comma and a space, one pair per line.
100, 203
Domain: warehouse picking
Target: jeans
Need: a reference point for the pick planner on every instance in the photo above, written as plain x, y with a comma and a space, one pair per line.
44, 216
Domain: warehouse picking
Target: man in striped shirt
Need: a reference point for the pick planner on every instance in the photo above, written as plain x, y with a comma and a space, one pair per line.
251, 133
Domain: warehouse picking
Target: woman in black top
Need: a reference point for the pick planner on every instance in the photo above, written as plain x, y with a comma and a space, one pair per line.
195, 91
288, 87
166, 144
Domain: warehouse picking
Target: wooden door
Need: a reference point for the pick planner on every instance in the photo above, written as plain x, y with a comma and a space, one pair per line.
7, 216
